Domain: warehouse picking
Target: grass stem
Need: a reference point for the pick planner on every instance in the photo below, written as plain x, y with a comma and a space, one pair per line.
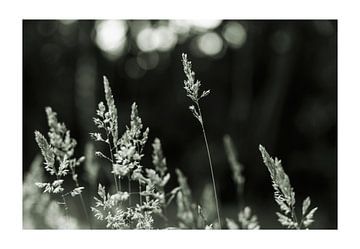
210, 164
129, 188
85, 211
140, 193
66, 211
112, 161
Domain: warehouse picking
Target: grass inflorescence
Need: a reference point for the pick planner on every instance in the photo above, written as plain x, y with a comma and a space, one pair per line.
138, 197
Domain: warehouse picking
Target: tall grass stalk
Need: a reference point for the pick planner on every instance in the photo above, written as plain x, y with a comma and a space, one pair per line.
192, 91
111, 117
211, 167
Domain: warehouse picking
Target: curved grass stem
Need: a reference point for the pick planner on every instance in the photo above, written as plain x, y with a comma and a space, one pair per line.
210, 164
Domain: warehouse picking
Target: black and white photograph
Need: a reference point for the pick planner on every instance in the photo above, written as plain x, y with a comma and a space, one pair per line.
180, 124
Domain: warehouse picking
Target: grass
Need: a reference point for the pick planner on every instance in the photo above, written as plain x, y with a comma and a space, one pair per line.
192, 88
284, 195
137, 199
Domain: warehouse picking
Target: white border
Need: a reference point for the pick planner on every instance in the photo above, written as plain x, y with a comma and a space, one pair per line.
12, 13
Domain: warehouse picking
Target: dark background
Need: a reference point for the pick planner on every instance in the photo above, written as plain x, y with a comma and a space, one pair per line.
272, 83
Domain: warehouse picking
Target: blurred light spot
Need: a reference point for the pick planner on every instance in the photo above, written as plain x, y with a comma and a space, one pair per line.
167, 39
235, 34
183, 27
161, 38
281, 41
146, 41
180, 26
137, 26
210, 43
133, 70
111, 37
148, 61
68, 22
204, 25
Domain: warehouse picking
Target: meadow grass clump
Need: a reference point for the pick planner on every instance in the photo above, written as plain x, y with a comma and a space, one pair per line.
246, 219
125, 152
190, 215
39, 210
58, 154
138, 198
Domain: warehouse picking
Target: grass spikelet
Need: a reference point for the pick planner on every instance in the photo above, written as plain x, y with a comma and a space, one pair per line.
285, 196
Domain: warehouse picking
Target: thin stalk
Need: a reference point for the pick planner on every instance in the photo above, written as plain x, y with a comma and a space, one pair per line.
65, 204
112, 161
116, 184
210, 164
84, 209
163, 207
66, 210
81, 197
129, 188
129, 191
301, 222
294, 218
140, 193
